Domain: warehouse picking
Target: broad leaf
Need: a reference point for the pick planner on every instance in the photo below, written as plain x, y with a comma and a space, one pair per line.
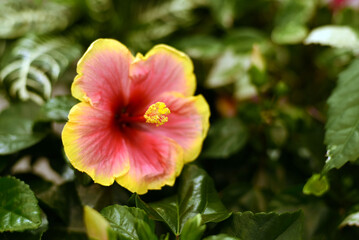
57, 108
342, 128
316, 185
266, 226
226, 137
334, 36
17, 128
129, 223
193, 229
19, 208
34, 64
196, 195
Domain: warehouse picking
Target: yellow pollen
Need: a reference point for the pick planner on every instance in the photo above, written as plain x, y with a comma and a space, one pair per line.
156, 113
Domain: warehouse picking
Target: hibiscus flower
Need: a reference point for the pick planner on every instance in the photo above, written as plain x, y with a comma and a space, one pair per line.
137, 122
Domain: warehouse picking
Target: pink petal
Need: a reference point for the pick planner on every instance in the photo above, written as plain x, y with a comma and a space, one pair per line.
155, 161
162, 69
103, 74
93, 144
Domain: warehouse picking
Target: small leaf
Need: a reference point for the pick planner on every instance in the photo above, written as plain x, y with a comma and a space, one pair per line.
317, 185
19, 209
192, 229
342, 127
17, 128
334, 36
96, 225
129, 223
196, 195
226, 137
264, 226
351, 220
57, 108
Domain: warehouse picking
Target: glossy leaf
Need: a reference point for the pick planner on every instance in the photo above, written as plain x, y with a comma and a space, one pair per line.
316, 185
129, 223
342, 127
19, 209
266, 226
226, 137
196, 195
192, 229
17, 128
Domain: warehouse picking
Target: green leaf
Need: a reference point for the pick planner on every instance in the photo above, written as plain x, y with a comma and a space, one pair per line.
57, 108
223, 11
35, 234
17, 128
226, 137
317, 185
196, 195
130, 223
241, 40
19, 208
289, 34
193, 229
342, 127
64, 201
201, 46
266, 226
34, 64
228, 68
290, 21
351, 220
20, 17
96, 225
221, 237
334, 36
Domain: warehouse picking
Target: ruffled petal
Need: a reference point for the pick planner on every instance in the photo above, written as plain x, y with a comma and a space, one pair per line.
162, 69
155, 161
93, 145
187, 124
103, 74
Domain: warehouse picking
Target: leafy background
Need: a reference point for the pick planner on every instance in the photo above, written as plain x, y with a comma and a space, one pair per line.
281, 157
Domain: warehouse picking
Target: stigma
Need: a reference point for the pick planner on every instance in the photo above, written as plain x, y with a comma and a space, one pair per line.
157, 114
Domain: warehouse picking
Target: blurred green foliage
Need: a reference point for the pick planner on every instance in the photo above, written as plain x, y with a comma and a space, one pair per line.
268, 90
